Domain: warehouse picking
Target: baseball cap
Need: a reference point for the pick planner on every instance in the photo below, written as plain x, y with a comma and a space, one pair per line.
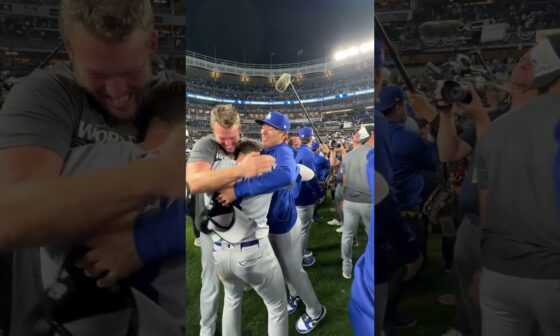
545, 57
314, 145
365, 132
389, 96
305, 132
276, 120
228, 222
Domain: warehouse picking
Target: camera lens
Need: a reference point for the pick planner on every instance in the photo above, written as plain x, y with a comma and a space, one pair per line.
455, 92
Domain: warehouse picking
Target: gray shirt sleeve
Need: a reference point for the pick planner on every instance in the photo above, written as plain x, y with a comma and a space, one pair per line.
42, 111
204, 150
480, 174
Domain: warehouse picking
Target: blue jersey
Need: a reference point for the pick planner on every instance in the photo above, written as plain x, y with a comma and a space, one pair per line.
322, 165
309, 191
282, 214
410, 155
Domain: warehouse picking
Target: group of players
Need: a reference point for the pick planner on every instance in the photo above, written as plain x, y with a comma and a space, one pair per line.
275, 201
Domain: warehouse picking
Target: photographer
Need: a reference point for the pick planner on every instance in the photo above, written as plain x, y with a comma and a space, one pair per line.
453, 147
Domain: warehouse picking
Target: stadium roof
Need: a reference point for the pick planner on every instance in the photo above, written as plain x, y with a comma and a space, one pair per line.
289, 30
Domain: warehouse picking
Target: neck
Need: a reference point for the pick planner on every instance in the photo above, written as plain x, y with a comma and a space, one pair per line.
154, 138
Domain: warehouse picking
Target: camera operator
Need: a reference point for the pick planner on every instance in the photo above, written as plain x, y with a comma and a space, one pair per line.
410, 156
453, 147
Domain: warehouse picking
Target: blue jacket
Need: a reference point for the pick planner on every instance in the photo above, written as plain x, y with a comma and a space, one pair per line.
282, 214
309, 191
410, 155
323, 165
295, 151
382, 148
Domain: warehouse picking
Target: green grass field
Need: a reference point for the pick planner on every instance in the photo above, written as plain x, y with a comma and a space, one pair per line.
332, 289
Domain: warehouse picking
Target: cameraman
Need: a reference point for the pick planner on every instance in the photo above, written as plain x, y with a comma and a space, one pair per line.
453, 147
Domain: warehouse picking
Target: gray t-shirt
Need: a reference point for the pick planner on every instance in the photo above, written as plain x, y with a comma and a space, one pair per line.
205, 150
255, 208
354, 169
515, 161
49, 110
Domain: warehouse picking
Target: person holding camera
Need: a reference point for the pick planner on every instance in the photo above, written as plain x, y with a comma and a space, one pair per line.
453, 147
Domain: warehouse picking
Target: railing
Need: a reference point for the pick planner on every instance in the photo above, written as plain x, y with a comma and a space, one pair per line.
270, 70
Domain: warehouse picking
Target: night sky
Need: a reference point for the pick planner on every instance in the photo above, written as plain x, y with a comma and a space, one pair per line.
257, 28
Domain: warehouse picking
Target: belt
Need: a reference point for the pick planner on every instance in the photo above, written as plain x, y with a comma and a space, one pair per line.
238, 245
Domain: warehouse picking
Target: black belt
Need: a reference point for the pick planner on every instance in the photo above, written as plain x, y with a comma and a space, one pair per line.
244, 244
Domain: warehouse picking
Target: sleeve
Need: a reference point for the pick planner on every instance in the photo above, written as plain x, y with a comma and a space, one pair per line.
480, 165
469, 134
159, 235
425, 155
284, 174
203, 150
42, 110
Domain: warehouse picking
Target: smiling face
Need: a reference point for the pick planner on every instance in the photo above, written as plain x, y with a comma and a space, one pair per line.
271, 136
226, 137
114, 73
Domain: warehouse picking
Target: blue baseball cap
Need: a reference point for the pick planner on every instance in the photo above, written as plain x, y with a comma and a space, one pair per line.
306, 132
314, 146
378, 54
389, 96
276, 120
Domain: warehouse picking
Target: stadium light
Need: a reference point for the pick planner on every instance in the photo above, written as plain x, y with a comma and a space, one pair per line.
362, 49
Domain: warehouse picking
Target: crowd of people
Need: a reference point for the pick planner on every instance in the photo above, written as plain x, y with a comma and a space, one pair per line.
350, 82
223, 169
521, 16
458, 168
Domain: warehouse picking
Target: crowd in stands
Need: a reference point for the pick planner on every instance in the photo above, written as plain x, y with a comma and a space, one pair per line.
306, 90
522, 16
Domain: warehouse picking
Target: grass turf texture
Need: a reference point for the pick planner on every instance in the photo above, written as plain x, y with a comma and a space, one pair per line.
326, 276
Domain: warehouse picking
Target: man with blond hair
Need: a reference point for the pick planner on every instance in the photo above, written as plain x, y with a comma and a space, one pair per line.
220, 145
92, 99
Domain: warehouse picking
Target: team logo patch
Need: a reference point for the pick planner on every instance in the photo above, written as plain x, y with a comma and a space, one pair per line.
269, 115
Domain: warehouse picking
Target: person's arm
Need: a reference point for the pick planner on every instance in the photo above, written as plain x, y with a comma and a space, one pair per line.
201, 178
451, 148
39, 207
424, 155
284, 174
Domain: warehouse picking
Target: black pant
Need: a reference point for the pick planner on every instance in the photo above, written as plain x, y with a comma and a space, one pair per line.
5, 289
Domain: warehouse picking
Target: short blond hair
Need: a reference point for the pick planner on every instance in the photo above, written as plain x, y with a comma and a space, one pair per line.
108, 20
225, 115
